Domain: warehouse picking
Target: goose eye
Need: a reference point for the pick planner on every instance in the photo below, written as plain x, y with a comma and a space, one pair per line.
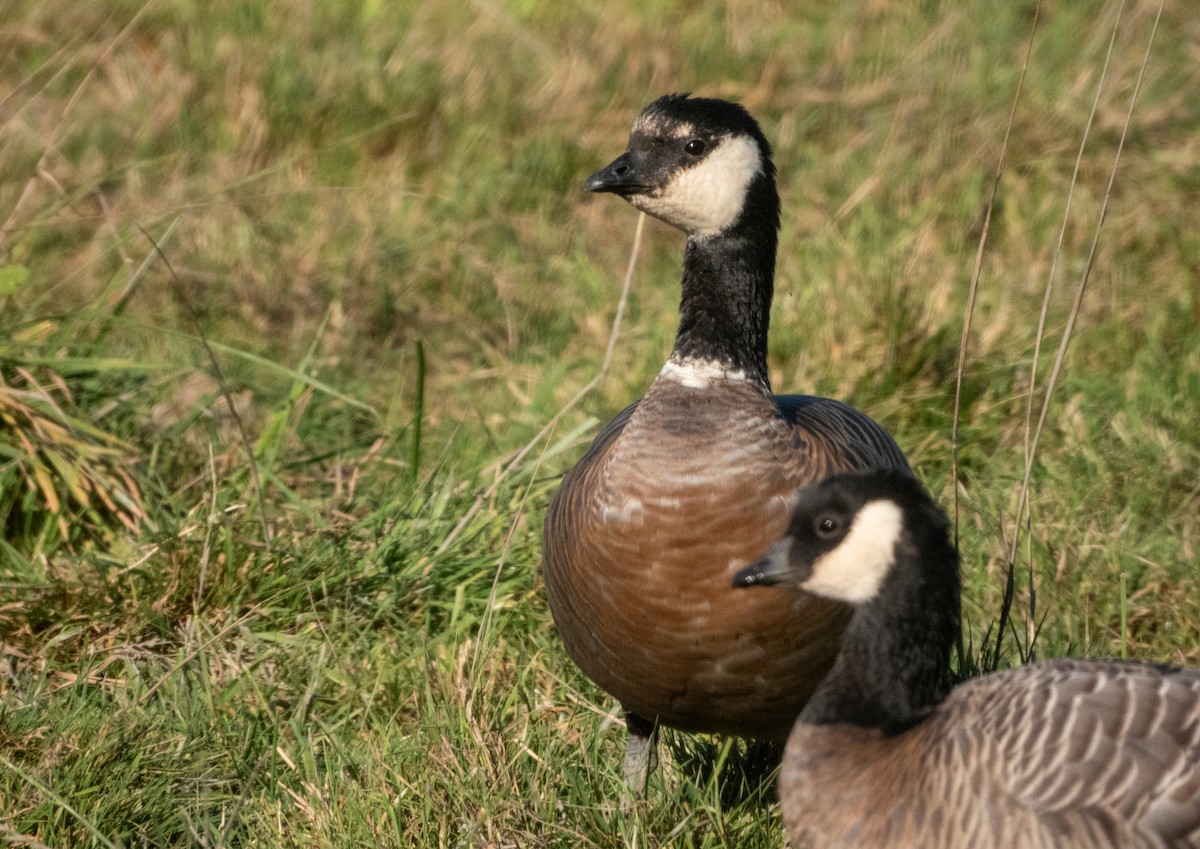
694, 147
827, 526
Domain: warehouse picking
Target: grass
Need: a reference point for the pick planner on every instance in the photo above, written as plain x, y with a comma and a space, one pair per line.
276, 582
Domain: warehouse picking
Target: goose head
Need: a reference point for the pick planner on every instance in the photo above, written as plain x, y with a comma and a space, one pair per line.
849, 534
699, 164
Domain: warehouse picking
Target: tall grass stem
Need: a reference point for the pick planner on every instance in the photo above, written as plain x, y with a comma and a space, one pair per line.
973, 290
418, 412
611, 348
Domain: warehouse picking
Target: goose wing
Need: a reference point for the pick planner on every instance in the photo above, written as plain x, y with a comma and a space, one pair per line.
831, 437
1097, 753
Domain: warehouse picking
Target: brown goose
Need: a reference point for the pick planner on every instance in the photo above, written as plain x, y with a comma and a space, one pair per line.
1064, 753
688, 485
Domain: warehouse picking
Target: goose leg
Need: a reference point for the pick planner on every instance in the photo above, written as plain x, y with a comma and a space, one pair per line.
641, 751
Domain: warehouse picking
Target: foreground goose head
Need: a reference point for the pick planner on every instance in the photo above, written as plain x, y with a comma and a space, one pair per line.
1079, 753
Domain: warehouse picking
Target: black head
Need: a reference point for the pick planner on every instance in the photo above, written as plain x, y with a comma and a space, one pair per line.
846, 533
875, 540
699, 164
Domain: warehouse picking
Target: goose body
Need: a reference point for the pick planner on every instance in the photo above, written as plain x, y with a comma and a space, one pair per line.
1064, 753
690, 483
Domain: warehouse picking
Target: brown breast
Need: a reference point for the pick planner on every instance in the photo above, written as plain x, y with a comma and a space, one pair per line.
645, 534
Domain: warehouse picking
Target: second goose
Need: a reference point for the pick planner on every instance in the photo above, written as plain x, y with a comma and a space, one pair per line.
1064, 753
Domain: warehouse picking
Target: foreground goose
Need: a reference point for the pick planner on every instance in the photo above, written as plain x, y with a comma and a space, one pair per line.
689, 484
1065, 753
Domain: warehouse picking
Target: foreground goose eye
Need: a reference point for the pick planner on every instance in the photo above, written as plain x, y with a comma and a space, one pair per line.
827, 526
694, 147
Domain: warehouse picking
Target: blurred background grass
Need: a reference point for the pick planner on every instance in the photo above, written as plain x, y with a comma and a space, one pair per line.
262, 581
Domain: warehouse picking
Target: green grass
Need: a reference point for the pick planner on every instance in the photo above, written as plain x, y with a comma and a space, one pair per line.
309, 612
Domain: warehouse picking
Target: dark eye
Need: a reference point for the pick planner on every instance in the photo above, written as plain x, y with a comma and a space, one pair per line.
827, 526
694, 147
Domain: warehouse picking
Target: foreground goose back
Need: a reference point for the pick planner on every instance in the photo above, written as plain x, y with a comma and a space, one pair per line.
690, 483
1064, 753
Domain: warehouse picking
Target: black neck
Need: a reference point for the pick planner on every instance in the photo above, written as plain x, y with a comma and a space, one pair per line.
728, 281
893, 667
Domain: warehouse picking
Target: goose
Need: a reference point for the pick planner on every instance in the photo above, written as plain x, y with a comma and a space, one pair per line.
1061, 753
689, 484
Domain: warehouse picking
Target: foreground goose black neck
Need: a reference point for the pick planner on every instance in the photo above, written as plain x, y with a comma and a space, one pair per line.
705, 167
878, 542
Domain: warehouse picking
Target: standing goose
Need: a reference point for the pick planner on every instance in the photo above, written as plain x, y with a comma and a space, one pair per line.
1064, 753
689, 484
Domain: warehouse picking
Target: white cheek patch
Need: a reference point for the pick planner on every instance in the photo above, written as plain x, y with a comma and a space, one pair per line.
698, 374
707, 198
854, 571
